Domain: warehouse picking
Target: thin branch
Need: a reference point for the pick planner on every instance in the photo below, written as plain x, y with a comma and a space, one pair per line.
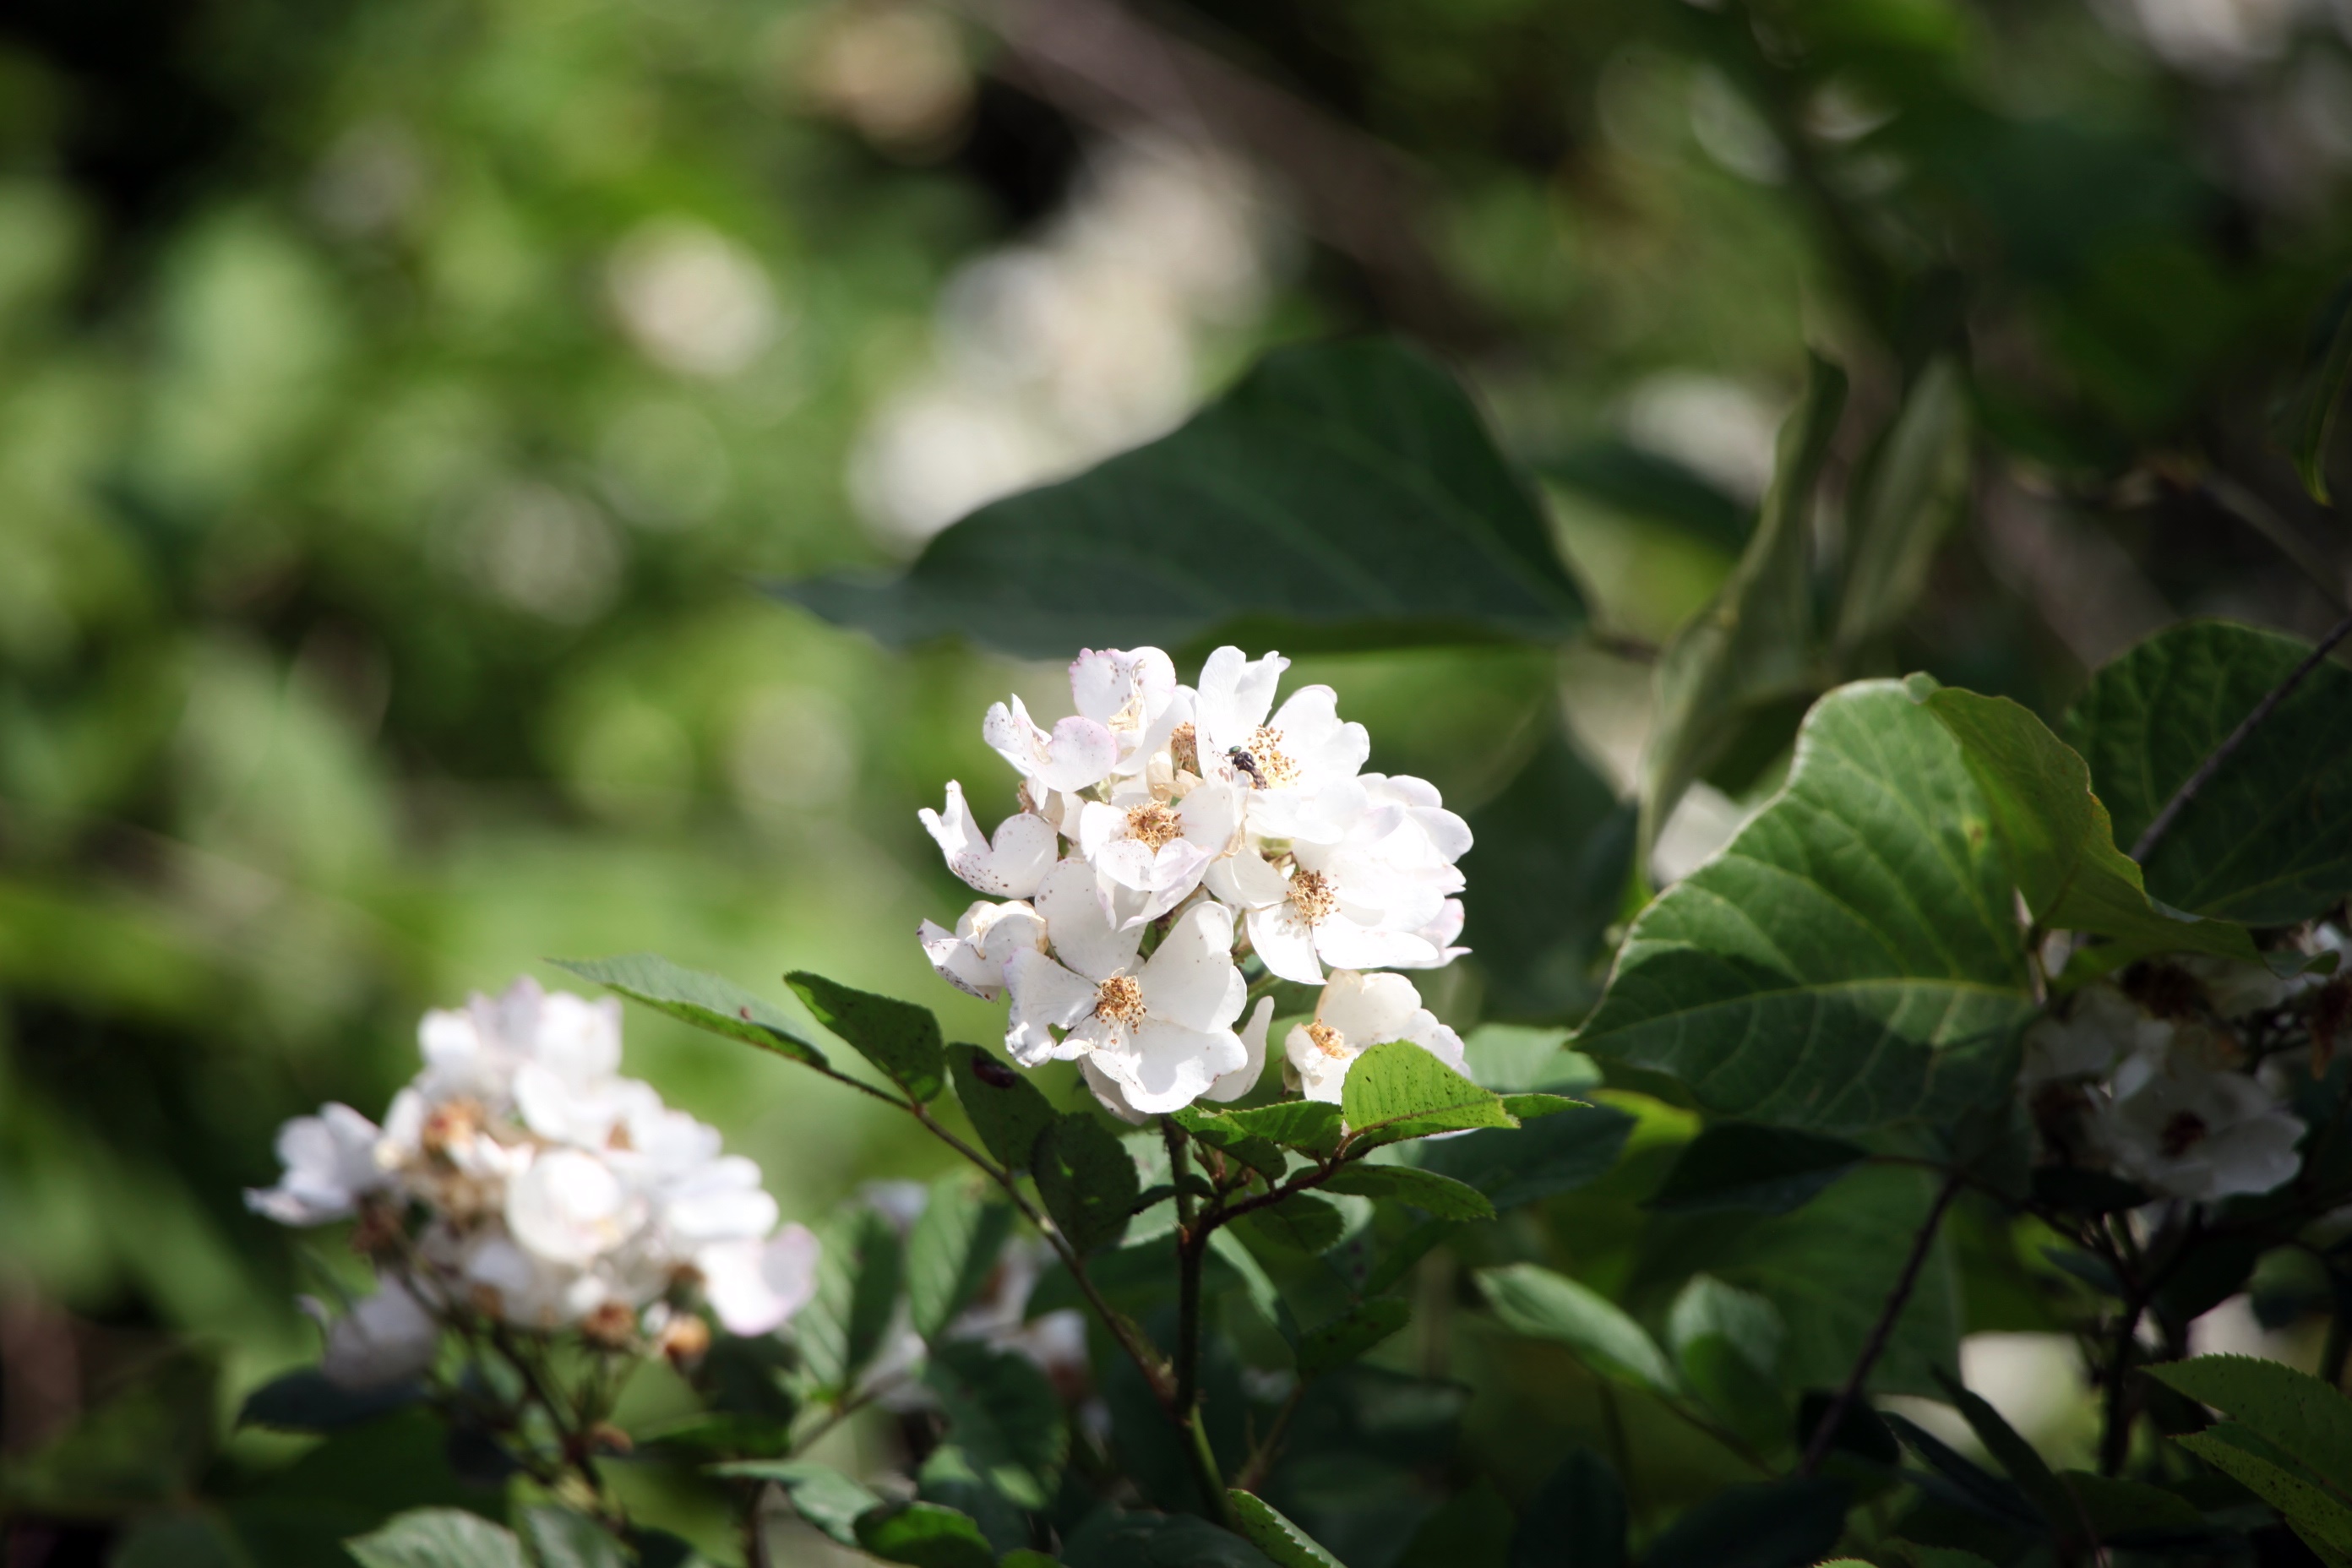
1881, 1332
2235, 739
1269, 1449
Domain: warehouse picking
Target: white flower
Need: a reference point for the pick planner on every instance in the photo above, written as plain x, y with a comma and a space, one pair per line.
972, 957
1287, 761
529, 1291
1077, 756
476, 1053
570, 1208
329, 1162
383, 1339
1356, 1013
1134, 696
2195, 1134
2102, 1028
1161, 1029
755, 1286
1243, 1079
1148, 846
1008, 865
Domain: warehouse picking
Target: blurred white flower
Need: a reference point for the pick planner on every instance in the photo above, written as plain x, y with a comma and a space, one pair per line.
755, 1286
1356, 1013
2192, 1132
383, 1339
2103, 1028
1009, 865
329, 1162
691, 299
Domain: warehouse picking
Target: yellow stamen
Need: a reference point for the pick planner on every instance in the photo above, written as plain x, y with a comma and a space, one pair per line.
1153, 825
1312, 896
1120, 1000
1326, 1039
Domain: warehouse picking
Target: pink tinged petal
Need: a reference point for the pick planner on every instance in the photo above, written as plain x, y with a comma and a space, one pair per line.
1082, 935
1011, 734
1044, 994
1243, 1079
1100, 683
1285, 942
1168, 1065
1188, 980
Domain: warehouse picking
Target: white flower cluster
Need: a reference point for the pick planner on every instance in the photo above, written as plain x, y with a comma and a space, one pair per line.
1166, 833
2160, 1100
520, 1176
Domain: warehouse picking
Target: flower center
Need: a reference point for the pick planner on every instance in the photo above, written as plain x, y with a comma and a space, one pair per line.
1312, 895
1184, 749
2182, 1134
1273, 766
1120, 999
1327, 1040
450, 1127
1153, 824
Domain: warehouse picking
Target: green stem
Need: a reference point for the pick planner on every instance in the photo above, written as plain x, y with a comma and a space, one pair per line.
1204, 1470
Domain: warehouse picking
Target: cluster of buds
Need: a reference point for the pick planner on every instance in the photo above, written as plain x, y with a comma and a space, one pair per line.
519, 1179
1172, 839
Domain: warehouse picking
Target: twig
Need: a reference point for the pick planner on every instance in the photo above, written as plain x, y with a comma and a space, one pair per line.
2235, 739
1881, 1332
2115, 1420
1269, 1449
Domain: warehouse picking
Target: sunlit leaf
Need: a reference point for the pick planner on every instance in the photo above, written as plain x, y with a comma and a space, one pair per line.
1398, 1091
925, 1535
821, 1495
899, 1037
1283, 1543
1441, 1195
705, 1001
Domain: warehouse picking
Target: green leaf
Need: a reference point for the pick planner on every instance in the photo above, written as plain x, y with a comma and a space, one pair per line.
1109, 1539
821, 1495
859, 1267
1912, 491
1964, 1482
1263, 1294
950, 1479
1439, 1195
1355, 478
898, 1038
1576, 1520
2293, 1410
1534, 1301
1851, 958
180, 1541
2308, 416
1329, 1346
705, 1001
304, 1401
1222, 1132
924, 1534
718, 1435
950, 1252
1003, 1413
1284, 1544
2115, 1508
1086, 1180
2318, 1512
1772, 1524
1397, 1090
1005, 1107
2055, 835
1738, 1165
1640, 483
2016, 1457
2268, 839
1514, 1166
437, 1537
1727, 1345
1309, 1126
561, 1539
1299, 1223
1751, 649
145, 1444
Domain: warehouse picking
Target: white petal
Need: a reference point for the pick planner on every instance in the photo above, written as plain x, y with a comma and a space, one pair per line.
1243, 1079
1168, 1066
1368, 1009
1321, 1072
1345, 943
1109, 1092
577, 1039
1212, 815
1285, 942
383, 1339
755, 1286
960, 963
1188, 980
1044, 994
1233, 697
568, 1208
1082, 934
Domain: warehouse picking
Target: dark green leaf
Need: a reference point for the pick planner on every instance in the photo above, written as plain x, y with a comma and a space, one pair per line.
1966, 1483
705, 1001
859, 1268
1002, 1412
1550, 858
180, 1541
304, 1401
1541, 1160
2293, 1410
1576, 1520
720, 1435
1640, 483
1472, 1528
950, 1251
1220, 1131
1299, 1223
1738, 1165
1851, 958
1355, 478
2268, 839
2317, 1509
1333, 1344
1533, 1301
437, 1537
2308, 416
1439, 1195
1109, 1539
560, 1538
1752, 647
143, 1443
821, 1495
2078, 1190
2118, 1509
1309, 1126
950, 1479
1860, 1431
1914, 488
2055, 835
349, 1483
1005, 1107
1727, 1345
2015, 1455
1773, 1524
1086, 1180
660, 1549
898, 1038
1284, 1544
925, 1535
1398, 1091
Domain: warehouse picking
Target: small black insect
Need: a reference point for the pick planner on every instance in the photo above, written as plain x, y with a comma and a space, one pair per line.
1239, 756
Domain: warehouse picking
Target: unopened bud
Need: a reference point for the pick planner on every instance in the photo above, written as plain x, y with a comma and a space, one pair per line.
610, 1327
684, 1340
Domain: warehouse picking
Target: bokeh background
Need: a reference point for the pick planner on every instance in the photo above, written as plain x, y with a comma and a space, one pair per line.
402, 405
